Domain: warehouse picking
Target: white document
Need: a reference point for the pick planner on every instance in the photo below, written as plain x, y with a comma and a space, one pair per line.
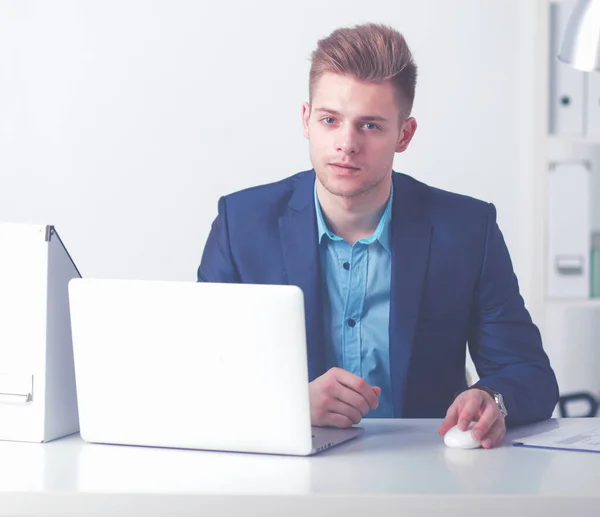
577, 437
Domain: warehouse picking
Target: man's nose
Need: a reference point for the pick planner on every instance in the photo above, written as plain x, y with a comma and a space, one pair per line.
347, 141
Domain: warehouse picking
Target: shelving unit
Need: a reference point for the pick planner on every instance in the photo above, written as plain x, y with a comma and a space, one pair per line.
573, 140
590, 303
570, 326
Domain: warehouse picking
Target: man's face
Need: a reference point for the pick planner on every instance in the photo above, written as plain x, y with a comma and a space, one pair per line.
354, 129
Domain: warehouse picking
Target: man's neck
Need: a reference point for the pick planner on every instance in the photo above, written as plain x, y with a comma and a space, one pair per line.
354, 218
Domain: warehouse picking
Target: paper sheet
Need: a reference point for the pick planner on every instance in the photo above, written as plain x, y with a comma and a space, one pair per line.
578, 437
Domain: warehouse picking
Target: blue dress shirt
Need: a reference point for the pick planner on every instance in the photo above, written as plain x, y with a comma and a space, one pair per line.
356, 302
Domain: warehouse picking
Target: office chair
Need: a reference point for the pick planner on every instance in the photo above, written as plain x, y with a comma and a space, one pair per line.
578, 396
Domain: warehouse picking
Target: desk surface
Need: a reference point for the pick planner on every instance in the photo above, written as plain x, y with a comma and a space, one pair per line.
394, 464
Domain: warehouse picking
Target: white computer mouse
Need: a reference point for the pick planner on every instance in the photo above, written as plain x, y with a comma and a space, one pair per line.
457, 439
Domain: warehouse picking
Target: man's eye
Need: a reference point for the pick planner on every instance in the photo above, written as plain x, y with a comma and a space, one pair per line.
370, 125
328, 120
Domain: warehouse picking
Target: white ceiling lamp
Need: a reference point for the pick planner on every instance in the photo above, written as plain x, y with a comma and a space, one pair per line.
581, 42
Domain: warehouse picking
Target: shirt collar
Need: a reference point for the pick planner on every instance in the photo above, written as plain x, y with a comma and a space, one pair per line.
383, 232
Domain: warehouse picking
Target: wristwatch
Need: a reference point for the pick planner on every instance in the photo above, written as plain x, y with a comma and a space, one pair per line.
496, 396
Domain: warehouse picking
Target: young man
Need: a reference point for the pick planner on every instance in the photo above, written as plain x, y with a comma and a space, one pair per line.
397, 276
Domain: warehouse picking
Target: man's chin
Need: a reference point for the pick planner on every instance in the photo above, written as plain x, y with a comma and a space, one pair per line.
345, 191
344, 186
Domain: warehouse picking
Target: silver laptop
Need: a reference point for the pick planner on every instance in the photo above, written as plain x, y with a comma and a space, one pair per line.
194, 365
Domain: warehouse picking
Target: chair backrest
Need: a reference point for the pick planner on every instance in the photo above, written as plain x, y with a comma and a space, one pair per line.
579, 396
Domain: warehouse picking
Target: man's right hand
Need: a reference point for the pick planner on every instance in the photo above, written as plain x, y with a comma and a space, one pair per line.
339, 398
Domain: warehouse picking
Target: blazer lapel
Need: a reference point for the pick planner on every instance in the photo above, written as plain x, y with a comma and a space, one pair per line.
411, 237
299, 240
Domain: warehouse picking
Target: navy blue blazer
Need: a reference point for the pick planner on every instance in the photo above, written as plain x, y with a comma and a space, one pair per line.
452, 284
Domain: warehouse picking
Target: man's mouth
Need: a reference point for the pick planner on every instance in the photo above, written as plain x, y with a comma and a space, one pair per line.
344, 168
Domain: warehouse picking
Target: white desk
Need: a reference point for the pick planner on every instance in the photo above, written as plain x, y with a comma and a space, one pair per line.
396, 467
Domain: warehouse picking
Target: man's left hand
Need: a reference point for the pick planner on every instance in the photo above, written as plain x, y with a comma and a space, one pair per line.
476, 405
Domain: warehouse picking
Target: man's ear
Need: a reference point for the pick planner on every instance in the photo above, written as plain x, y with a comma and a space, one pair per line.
305, 118
409, 127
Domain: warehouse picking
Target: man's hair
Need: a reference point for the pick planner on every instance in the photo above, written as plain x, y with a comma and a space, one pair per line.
370, 53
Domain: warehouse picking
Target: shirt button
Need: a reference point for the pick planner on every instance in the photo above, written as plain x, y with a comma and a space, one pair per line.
351, 322
346, 266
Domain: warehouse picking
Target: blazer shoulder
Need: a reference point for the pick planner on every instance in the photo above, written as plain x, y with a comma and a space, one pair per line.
267, 198
444, 205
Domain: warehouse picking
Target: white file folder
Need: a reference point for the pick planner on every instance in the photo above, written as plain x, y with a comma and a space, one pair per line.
567, 85
568, 231
38, 401
593, 105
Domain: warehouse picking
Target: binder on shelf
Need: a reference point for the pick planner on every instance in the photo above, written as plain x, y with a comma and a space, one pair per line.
568, 231
38, 400
567, 85
593, 106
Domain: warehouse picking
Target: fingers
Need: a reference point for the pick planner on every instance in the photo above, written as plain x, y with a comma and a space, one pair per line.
337, 420
471, 401
487, 419
350, 412
464, 410
351, 398
357, 384
495, 435
476, 405
339, 392
451, 418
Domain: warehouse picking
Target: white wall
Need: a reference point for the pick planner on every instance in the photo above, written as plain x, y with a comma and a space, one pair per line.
123, 121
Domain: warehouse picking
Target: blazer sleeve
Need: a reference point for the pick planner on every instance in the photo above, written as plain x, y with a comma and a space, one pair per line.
504, 343
217, 264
